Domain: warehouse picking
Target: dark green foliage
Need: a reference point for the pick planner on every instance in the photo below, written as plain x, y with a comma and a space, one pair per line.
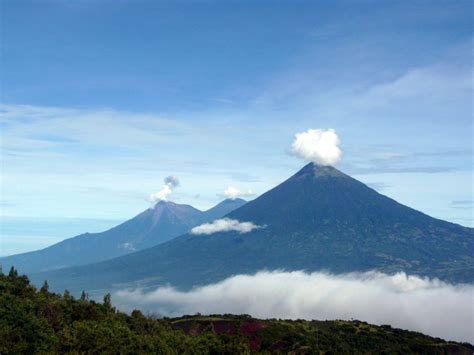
34, 321
84, 296
45, 287
108, 301
12, 272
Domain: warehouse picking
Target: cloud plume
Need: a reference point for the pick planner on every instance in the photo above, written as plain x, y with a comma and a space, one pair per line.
409, 302
171, 182
224, 225
318, 145
233, 193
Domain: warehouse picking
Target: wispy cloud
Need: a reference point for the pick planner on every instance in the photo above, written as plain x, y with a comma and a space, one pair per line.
81, 150
225, 225
42, 124
399, 170
416, 162
435, 82
233, 193
403, 301
463, 204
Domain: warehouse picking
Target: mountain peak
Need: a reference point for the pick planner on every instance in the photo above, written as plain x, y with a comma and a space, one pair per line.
317, 171
169, 208
164, 203
161, 206
173, 206
224, 207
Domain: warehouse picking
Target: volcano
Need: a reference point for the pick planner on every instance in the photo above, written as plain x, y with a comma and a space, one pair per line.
318, 219
165, 221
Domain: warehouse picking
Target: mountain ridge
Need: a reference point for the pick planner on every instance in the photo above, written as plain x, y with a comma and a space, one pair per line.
153, 226
318, 219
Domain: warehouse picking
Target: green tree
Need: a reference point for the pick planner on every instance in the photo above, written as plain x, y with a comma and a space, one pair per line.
84, 296
13, 273
108, 301
45, 288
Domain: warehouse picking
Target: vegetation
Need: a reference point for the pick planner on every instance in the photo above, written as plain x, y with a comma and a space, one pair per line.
39, 321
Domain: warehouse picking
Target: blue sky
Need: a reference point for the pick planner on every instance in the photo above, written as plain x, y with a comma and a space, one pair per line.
101, 100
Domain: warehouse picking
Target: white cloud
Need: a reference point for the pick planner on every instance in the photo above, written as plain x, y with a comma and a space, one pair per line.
409, 302
233, 193
318, 145
224, 225
170, 183
161, 195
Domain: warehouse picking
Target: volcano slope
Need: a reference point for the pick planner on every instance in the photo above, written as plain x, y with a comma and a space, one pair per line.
318, 219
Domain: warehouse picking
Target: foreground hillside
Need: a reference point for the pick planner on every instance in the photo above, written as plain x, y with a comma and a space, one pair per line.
38, 321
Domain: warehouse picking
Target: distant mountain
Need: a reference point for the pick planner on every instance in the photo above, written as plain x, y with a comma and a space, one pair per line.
223, 208
319, 219
165, 221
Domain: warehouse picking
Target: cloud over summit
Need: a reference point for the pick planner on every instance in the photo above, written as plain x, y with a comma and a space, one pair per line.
318, 145
171, 182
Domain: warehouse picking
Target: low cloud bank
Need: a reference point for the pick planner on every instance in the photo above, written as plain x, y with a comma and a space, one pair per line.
318, 145
225, 225
233, 193
171, 182
429, 306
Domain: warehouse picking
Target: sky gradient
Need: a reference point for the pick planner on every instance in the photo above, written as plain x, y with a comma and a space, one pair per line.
101, 100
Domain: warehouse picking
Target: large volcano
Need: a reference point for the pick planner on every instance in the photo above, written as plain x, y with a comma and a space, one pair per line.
318, 219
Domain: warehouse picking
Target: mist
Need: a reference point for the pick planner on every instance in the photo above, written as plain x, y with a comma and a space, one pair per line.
409, 302
225, 225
